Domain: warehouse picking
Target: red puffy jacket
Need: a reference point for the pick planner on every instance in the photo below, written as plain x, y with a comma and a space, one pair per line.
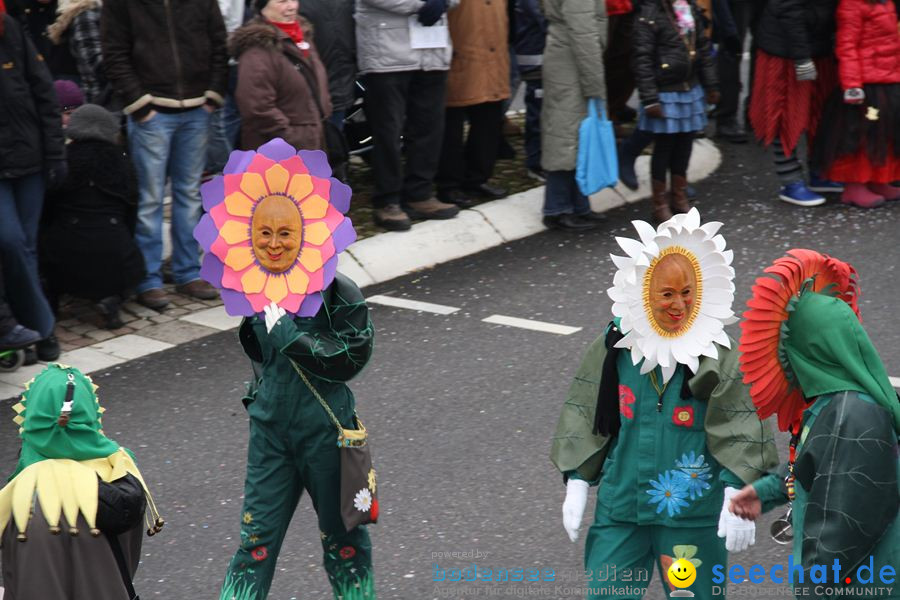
868, 43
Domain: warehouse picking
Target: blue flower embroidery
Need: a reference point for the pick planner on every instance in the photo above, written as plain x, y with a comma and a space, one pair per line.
694, 473
669, 491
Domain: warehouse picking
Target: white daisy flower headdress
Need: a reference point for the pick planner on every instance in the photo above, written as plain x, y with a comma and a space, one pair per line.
699, 252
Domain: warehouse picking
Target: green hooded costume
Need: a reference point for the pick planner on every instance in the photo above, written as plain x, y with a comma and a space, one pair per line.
847, 464
292, 446
55, 488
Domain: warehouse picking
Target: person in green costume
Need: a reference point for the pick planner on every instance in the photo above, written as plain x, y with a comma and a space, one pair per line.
666, 429
71, 514
292, 440
844, 473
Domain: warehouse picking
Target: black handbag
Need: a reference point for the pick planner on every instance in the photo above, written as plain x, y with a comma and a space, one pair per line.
120, 506
359, 492
336, 146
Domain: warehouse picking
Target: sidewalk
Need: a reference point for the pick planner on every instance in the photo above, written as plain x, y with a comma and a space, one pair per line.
380, 257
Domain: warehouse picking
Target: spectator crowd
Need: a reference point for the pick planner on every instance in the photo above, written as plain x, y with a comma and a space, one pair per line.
109, 106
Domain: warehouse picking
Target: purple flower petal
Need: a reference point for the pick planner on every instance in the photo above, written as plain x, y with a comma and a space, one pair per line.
238, 161
213, 192
328, 271
340, 195
212, 269
236, 304
317, 163
311, 305
206, 232
343, 236
277, 149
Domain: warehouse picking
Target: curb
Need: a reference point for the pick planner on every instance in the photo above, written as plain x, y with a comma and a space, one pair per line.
394, 254
381, 258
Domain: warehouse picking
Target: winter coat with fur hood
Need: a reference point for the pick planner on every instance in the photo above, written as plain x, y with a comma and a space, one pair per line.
274, 97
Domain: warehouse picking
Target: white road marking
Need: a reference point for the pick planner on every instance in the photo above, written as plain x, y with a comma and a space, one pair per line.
412, 304
895, 381
532, 325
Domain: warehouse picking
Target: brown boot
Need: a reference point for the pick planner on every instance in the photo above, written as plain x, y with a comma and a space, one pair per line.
679, 201
661, 210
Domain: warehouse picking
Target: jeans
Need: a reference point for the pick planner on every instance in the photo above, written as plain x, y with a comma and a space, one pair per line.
534, 98
219, 147
745, 14
21, 200
562, 196
169, 145
407, 105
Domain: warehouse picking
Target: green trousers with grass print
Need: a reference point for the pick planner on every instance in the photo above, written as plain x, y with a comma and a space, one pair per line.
292, 446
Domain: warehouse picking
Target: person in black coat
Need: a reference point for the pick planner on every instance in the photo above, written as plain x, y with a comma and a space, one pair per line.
87, 245
32, 154
333, 33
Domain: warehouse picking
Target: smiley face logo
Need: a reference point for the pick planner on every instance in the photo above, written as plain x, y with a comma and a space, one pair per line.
682, 573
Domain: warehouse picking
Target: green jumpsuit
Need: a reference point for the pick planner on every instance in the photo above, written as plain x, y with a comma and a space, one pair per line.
660, 493
292, 444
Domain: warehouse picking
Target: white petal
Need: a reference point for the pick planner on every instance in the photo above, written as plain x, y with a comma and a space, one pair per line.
636, 354
667, 372
645, 230
722, 339
716, 310
711, 351
632, 248
621, 262
711, 228
692, 219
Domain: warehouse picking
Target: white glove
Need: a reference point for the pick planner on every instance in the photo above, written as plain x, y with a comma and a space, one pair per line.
573, 507
273, 313
739, 533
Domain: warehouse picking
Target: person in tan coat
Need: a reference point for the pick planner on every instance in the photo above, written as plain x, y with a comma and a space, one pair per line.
282, 88
477, 85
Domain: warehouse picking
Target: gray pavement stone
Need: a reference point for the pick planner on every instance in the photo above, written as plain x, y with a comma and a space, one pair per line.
177, 332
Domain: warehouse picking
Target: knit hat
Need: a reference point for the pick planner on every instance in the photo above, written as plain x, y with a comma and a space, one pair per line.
68, 93
93, 122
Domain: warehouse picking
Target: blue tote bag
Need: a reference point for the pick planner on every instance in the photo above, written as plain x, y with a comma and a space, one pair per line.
598, 165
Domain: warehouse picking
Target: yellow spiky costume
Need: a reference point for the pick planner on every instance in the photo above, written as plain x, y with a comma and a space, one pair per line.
59, 464
64, 456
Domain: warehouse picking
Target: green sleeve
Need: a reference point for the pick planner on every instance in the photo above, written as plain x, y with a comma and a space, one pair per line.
575, 447
848, 467
336, 344
735, 436
771, 489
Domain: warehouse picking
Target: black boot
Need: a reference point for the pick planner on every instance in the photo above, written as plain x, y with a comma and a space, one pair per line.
109, 309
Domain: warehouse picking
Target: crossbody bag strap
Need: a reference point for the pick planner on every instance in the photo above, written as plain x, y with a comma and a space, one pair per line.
304, 69
346, 437
123, 568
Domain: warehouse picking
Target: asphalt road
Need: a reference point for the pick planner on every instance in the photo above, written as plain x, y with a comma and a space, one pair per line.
460, 411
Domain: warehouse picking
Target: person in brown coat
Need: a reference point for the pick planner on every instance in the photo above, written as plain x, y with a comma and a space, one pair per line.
477, 86
282, 88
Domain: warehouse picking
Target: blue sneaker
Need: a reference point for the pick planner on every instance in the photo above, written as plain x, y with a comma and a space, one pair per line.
797, 193
823, 186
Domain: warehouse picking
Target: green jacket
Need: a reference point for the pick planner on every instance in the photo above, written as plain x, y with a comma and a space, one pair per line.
694, 444
847, 476
332, 347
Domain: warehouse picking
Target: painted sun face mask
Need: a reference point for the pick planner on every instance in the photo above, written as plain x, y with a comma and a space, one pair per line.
274, 227
673, 293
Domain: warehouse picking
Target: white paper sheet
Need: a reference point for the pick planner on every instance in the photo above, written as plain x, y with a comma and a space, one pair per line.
421, 37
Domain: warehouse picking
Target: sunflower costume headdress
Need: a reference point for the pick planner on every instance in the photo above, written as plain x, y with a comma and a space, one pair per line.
64, 451
666, 341
274, 226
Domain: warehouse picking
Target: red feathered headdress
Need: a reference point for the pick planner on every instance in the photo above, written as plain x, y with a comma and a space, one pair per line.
764, 366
